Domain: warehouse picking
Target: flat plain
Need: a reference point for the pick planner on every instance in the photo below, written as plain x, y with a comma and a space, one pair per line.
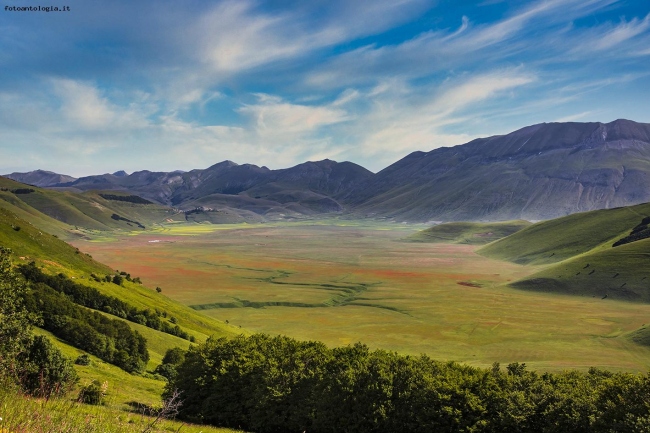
343, 282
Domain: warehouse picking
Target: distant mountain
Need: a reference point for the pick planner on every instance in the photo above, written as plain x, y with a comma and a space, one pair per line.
40, 178
305, 189
538, 172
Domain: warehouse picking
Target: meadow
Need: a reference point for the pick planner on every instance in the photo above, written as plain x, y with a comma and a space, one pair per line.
342, 282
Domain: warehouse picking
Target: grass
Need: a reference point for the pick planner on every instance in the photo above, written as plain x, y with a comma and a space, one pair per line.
619, 273
122, 386
468, 232
59, 211
562, 238
346, 283
582, 260
55, 256
30, 243
22, 414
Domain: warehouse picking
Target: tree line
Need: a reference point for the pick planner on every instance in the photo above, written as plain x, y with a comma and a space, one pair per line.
277, 384
112, 340
92, 298
127, 198
28, 361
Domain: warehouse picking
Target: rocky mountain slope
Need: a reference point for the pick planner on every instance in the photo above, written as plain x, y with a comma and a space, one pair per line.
539, 172
40, 178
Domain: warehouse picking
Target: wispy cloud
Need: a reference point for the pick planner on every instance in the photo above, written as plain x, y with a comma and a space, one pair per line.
273, 116
466, 47
178, 86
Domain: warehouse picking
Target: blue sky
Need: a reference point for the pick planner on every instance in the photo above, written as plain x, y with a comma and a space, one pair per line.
165, 85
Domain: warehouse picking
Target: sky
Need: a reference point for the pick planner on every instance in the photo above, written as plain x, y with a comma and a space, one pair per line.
176, 85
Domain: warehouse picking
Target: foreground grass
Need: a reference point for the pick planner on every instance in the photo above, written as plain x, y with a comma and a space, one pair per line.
19, 413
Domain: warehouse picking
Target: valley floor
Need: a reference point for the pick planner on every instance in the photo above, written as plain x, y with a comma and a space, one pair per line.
343, 283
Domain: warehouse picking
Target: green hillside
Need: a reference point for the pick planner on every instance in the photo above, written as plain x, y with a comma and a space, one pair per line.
582, 260
29, 243
93, 210
609, 273
562, 238
619, 273
581, 257
468, 232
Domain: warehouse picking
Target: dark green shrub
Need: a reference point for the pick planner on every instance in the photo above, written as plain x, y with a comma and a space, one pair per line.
168, 371
277, 384
174, 356
44, 371
15, 319
83, 359
93, 393
172, 359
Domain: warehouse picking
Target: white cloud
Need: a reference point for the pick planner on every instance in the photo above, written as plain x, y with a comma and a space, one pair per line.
577, 116
84, 107
234, 36
472, 44
273, 116
624, 32
398, 118
605, 37
477, 89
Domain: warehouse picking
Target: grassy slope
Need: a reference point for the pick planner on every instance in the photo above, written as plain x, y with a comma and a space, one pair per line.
88, 210
562, 238
619, 273
20, 413
30, 243
582, 261
468, 232
54, 255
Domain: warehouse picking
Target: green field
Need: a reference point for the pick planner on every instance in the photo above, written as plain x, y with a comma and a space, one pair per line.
342, 282
468, 232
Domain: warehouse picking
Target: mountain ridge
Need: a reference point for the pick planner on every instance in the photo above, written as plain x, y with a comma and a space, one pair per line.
538, 172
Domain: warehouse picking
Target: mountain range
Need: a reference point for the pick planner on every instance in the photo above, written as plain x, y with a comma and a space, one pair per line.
538, 172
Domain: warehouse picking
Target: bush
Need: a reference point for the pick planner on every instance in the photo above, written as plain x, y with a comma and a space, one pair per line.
44, 371
83, 359
172, 359
94, 393
174, 356
15, 320
168, 371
